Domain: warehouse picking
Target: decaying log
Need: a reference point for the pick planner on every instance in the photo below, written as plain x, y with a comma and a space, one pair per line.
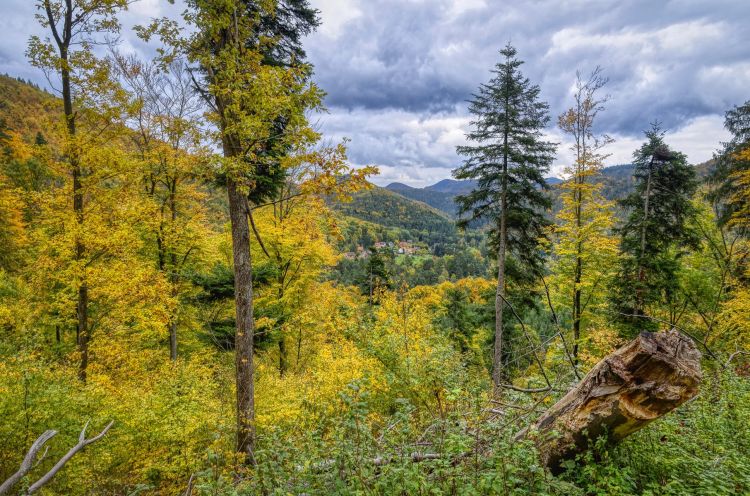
645, 379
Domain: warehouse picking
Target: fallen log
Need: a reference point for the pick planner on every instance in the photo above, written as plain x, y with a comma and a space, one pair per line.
645, 379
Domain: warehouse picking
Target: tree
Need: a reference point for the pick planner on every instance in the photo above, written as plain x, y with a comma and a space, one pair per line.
712, 275
508, 161
656, 233
584, 249
296, 227
164, 115
732, 164
259, 110
86, 87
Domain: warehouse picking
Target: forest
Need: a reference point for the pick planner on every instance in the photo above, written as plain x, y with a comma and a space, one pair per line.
200, 294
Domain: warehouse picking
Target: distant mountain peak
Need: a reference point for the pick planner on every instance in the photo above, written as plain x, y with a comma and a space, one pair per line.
452, 186
399, 186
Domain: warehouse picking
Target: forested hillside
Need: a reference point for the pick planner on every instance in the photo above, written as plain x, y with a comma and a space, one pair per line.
202, 294
441, 200
617, 181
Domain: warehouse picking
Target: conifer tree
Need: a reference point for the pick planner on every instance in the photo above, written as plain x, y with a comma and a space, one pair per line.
732, 164
508, 158
656, 232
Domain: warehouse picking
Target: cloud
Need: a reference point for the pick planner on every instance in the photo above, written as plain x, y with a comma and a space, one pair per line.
399, 138
398, 72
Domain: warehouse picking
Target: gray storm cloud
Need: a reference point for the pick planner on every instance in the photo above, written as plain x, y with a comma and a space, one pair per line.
398, 72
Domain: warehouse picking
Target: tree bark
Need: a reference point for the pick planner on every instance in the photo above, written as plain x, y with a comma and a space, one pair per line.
239, 213
497, 359
173, 339
645, 379
243, 297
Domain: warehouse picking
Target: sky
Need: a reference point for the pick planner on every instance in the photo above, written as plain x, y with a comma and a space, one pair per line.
398, 73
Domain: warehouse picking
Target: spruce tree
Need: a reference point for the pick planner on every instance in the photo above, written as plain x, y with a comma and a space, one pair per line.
732, 164
508, 158
656, 233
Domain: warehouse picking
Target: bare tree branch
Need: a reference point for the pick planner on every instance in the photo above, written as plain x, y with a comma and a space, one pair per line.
82, 443
28, 462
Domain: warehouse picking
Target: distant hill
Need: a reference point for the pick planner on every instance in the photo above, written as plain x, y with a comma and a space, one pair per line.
618, 182
452, 186
441, 194
415, 219
440, 200
25, 108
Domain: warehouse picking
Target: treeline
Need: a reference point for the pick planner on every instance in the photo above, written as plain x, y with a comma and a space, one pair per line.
624, 276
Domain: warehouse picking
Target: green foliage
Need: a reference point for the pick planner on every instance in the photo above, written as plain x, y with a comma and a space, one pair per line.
701, 449
370, 378
657, 231
730, 162
508, 160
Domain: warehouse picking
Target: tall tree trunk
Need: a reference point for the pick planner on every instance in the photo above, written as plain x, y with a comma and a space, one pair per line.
239, 213
243, 298
497, 361
173, 275
82, 303
578, 195
641, 269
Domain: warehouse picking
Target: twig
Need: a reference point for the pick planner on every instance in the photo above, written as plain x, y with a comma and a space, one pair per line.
559, 331
731, 357
525, 390
82, 443
189, 490
28, 462
528, 338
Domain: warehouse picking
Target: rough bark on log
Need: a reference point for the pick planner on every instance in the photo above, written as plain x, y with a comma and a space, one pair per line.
645, 379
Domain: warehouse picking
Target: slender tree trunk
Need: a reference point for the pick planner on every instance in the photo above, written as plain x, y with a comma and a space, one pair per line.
497, 361
578, 195
299, 346
173, 276
283, 363
243, 298
641, 269
283, 360
173, 340
82, 303
577, 307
